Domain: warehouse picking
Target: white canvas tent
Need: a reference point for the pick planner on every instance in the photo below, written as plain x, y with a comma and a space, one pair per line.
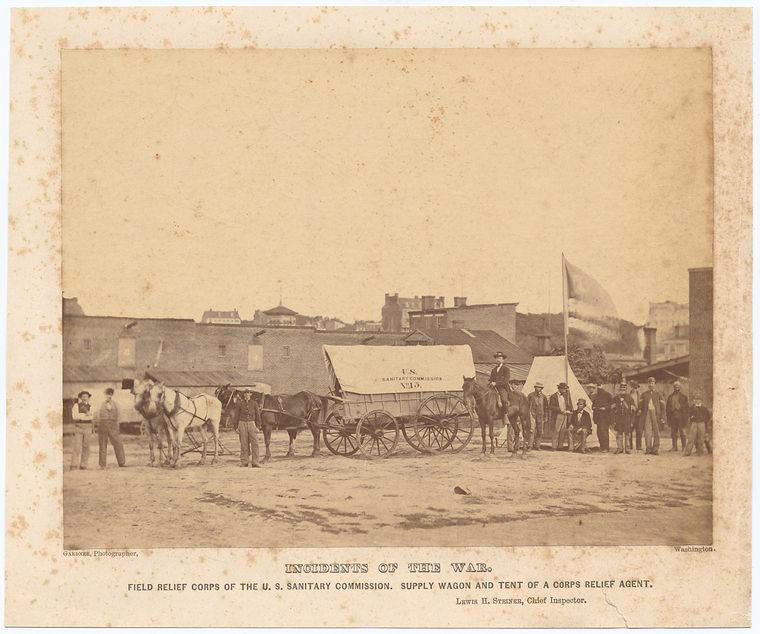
551, 372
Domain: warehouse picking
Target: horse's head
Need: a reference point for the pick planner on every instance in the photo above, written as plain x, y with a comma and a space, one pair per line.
141, 391
155, 399
226, 395
469, 389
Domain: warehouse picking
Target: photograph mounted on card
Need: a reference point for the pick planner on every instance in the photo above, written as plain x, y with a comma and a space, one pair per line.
348, 308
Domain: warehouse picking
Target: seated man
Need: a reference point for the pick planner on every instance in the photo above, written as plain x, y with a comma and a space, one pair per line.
580, 427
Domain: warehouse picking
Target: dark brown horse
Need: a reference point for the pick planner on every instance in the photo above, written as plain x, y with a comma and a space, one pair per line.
282, 412
485, 402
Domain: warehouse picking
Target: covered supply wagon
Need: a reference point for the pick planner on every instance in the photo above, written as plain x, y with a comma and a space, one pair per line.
388, 391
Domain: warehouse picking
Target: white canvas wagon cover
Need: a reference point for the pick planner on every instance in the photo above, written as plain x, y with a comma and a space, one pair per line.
394, 369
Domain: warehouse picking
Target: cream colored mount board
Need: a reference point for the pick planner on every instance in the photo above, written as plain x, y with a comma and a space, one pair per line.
211, 195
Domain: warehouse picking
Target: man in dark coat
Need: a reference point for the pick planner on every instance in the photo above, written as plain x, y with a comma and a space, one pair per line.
700, 419
249, 442
623, 410
652, 412
677, 412
580, 427
637, 424
500, 380
560, 408
602, 402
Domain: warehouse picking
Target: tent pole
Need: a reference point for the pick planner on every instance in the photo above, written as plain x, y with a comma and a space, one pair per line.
564, 314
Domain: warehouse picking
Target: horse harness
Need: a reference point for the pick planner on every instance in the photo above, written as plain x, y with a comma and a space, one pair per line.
178, 408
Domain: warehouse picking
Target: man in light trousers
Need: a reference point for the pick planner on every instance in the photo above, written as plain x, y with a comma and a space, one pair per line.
81, 414
561, 407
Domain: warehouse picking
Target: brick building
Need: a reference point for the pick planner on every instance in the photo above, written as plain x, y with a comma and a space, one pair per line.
100, 352
220, 317
501, 318
671, 320
701, 331
395, 311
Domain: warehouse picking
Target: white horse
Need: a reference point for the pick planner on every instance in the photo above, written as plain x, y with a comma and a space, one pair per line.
200, 412
156, 426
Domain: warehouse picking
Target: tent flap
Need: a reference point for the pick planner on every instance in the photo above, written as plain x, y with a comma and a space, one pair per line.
396, 369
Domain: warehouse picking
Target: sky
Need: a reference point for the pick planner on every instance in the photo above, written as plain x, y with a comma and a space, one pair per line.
211, 179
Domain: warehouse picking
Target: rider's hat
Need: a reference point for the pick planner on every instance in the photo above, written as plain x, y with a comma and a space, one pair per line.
538, 384
499, 355
82, 393
563, 386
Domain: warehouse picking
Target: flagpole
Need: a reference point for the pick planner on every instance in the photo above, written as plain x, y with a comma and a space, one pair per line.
564, 315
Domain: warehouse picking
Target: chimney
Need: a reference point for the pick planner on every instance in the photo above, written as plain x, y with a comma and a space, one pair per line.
544, 342
650, 350
428, 301
459, 302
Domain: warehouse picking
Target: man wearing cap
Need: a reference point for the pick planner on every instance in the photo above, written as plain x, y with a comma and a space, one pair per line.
622, 410
580, 427
601, 404
700, 418
249, 441
560, 407
500, 380
81, 414
652, 412
108, 429
538, 408
677, 412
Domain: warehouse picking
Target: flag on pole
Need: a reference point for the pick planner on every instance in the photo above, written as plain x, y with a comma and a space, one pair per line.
589, 307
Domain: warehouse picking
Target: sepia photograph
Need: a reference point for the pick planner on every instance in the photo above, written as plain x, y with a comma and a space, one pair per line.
379, 317
429, 297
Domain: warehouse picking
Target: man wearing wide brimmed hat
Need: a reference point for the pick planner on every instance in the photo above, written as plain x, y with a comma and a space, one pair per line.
538, 408
623, 410
81, 415
561, 407
500, 380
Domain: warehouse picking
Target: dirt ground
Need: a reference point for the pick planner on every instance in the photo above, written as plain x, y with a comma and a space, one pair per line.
551, 498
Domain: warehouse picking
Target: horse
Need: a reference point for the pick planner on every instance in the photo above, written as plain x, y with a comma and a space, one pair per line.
156, 427
485, 402
202, 412
291, 411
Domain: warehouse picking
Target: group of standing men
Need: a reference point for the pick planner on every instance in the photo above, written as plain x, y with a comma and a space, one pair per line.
627, 411
107, 418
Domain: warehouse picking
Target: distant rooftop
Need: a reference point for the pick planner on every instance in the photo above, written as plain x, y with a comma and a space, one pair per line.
220, 314
280, 310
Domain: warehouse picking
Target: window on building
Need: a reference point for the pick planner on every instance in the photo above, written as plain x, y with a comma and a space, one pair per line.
127, 384
222, 351
126, 352
87, 344
255, 357
286, 351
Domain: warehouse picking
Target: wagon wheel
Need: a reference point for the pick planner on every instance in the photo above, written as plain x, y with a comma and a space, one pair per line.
377, 434
338, 436
442, 422
410, 435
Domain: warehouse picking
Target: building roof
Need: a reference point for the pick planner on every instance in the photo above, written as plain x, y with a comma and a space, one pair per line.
280, 310
428, 311
205, 378
220, 314
71, 306
671, 369
484, 343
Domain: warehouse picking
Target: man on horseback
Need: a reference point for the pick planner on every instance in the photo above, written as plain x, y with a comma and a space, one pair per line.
500, 381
